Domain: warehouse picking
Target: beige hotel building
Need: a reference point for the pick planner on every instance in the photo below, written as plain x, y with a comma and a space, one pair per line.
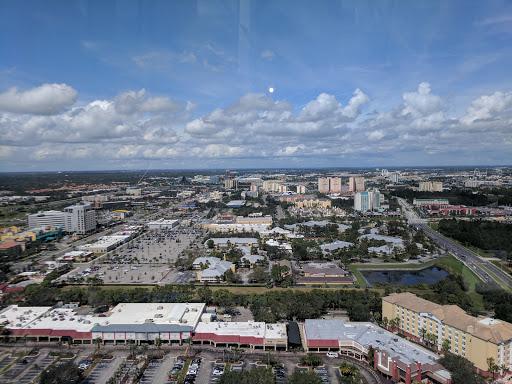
474, 338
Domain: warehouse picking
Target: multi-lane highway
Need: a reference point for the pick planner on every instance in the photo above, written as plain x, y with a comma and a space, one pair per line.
467, 257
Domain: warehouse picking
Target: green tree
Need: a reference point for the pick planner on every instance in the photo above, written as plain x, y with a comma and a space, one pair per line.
462, 370
493, 367
311, 360
231, 277
253, 376
98, 341
446, 345
298, 377
205, 294
423, 332
210, 244
259, 275
347, 369
58, 374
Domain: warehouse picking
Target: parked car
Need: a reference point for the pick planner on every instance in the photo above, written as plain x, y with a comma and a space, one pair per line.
332, 354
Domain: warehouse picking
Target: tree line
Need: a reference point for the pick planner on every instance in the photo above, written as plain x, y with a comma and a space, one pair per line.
485, 235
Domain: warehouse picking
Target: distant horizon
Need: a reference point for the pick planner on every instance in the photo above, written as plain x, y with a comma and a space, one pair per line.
480, 167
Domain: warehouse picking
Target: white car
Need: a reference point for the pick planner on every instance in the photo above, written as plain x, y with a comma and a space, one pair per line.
218, 372
332, 354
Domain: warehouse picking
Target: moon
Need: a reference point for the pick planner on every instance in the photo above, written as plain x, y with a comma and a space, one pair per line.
271, 90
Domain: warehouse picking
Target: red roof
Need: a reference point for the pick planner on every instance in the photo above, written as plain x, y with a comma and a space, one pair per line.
2, 286
71, 333
229, 338
323, 343
30, 332
10, 244
13, 289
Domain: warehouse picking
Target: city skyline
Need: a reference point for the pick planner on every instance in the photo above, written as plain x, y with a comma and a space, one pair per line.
168, 85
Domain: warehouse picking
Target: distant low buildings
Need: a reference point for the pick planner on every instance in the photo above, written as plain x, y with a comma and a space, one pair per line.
162, 224
212, 269
228, 242
312, 202
324, 273
420, 202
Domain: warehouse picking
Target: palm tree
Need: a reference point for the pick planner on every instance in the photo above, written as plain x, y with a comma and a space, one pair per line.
133, 349
392, 324
398, 324
189, 340
446, 345
347, 369
158, 342
493, 367
236, 351
385, 322
98, 342
423, 332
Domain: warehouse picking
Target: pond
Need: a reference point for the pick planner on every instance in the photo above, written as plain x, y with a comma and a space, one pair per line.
429, 275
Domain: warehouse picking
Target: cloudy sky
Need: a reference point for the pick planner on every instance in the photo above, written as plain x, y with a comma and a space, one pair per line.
91, 85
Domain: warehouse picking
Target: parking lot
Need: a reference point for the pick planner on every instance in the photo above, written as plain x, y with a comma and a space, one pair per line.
16, 370
147, 260
203, 370
102, 372
35, 370
149, 374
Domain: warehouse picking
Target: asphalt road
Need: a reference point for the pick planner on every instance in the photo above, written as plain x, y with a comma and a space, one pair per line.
469, 258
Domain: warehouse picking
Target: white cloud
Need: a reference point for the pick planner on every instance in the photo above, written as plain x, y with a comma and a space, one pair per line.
130, 116
134, 127
421, 103
188, 57
267, 54
488, 108
48, 99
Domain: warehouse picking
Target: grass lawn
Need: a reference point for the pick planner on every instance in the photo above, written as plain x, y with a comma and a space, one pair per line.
434, 226
360, 282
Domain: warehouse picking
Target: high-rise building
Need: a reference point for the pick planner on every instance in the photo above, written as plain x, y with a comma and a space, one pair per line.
356, 184
431, 186
329, 185
80, 219
367, 201
231, 184
214, 179
395, 177
301, 189
272, 185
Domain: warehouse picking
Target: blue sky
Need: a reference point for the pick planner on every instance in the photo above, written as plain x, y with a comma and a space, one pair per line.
88, 85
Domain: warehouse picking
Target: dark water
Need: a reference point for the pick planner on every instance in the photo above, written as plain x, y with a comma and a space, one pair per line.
429, 275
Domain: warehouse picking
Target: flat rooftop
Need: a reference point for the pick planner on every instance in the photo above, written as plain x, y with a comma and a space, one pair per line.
21, 317
160, 313
368, 334
249, 328
64, 319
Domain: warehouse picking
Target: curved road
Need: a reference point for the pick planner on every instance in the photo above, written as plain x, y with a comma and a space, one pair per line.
467, 257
